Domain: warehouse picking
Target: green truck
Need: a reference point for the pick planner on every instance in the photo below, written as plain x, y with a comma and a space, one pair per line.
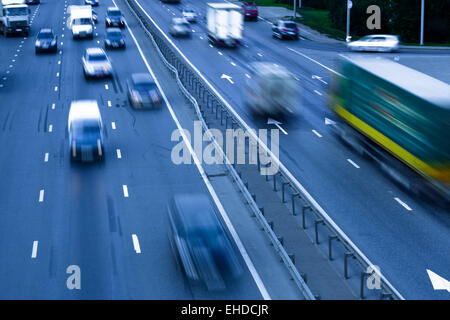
397, 116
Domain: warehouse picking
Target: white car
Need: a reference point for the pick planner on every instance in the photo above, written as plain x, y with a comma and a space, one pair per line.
375, 42
190, 15
96, 63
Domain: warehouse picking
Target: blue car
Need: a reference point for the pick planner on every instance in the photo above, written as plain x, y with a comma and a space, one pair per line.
93, 3
46, 41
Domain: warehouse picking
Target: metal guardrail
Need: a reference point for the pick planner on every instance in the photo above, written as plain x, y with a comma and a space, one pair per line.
188, 76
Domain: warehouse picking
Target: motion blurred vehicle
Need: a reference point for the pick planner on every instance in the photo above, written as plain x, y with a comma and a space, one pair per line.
375, 42
93, 3
201, 245
170, 1
180, 28
85, 131
96, 64
142, 91
80, 21
271, 91
224, 24
14, 17
114, 39
250, 11
94, 17
282, 29
46, 41
32, 1
190, 15
114, 18
398, 117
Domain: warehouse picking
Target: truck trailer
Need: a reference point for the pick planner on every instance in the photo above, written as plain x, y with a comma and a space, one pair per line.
224, 23
14, 17
398, 117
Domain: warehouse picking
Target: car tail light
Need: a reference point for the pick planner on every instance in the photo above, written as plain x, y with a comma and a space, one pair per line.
284, 29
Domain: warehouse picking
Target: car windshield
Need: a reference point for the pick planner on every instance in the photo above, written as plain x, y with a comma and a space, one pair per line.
16, 12
248, 7
97, 57
189, 11
144, 86
86, 129
290, 25
114, 13
81, 21
45, 35
116, 35
183, 25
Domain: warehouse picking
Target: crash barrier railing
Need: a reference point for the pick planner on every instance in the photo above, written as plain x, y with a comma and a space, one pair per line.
196, 88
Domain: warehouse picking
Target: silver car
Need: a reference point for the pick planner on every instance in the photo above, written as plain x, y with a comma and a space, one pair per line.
190, 15
96, 64
375, 42
180, 28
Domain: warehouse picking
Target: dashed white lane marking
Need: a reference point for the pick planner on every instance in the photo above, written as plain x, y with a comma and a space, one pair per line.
98, 42
46, 157
57, 74
109, 103
201, 37
119, 154
220, 53
53, 106
125, 190
106, 87
353, 163
317, 134
59, 61
56, 88
136, 246
210, 45
62, 43
317, 92
34, 251
317, 62
247, 75
50, 128
233, 64
259, 54
113, 125
41, 195
10, 65
403, 204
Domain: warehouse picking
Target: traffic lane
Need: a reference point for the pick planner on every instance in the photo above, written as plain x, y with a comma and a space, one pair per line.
25, 128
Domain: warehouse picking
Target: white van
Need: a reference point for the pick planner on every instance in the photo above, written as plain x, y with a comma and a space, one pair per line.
80, 21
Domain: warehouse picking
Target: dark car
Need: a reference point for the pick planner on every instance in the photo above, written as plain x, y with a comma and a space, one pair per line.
46, 41
250, 11
142, 91
201, 245
93, 3
114, 18
114, 39
285, 30
32, 1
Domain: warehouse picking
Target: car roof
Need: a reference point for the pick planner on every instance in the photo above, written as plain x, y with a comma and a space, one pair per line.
195, 210
179, 20
142, 78
110, 30
83, 109
95, 51
113, 9
268, 68
46, 30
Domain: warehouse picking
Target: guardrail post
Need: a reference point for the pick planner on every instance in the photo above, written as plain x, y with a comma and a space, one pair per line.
316, 222
292, 257
346, 255
282, 191
275, 182
293, 203
363, 277
304, 208
385, 294
330, 240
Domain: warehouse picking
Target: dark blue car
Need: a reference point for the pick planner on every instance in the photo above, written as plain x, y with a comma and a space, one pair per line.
46, 41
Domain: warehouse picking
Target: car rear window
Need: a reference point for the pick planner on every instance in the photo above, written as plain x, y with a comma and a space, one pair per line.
45, 35
96, 57
290, 25
114, 13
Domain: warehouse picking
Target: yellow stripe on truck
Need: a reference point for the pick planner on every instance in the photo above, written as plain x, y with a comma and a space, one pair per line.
398, 151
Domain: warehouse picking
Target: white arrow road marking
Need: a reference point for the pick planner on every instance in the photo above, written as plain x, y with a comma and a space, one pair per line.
137, 248
403, 204
34, 252
125, 190
316, 133
328, 121
438, 282
225, 76
41, 195
319, 78
277, 123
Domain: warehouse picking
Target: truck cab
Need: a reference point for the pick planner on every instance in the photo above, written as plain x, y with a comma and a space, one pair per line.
224, 24
80, 22
14, 17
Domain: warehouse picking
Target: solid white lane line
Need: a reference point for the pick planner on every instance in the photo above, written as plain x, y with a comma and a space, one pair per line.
46, 157
125, 190
34, 251
119, 154
136, 246
403, 204
113, 125
41, 195
317, 92
258, 281
317, 62
109, 103
50, 128
353, 163
317, 134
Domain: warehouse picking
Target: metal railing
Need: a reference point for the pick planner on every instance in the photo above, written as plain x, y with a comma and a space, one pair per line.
196, 88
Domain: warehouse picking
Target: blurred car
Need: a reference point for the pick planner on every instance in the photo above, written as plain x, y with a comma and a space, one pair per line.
200, 243
46, 41
250, 11
93, 3
96, 63
271, 91
142, 91
85, 131
32, 1
375, 42
114, 39
114, 18
94, 17
285, 30
190, 15
180, 28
